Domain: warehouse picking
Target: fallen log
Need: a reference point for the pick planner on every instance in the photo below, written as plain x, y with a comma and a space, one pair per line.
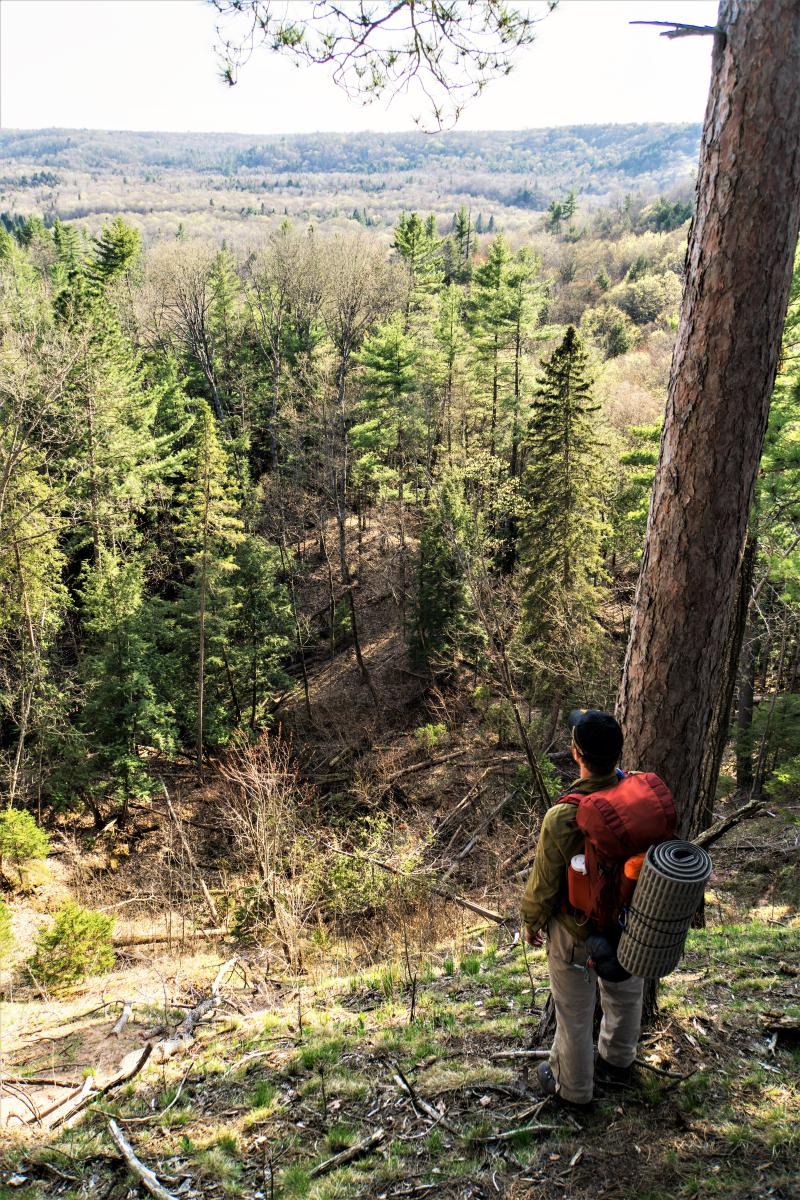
136, 1166
153, 939
68, 1107
508, 1134
130, 1066
125, 1016
346, 1156
715, 831
421, 766
40, 1081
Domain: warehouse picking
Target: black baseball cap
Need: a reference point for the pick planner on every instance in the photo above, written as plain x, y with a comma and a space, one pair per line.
596, 734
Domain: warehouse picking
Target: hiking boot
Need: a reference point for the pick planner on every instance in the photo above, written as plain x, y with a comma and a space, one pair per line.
545, 1080
545, 1084
608, 1075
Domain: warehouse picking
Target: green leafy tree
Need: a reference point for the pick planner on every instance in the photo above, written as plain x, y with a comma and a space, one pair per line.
611, 329
632, 501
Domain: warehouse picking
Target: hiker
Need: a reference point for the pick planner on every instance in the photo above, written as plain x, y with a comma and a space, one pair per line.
578, 855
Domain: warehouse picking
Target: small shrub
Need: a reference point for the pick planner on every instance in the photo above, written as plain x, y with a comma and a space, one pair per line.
351, 887
428, 737
499, 718
21, 838
449, 966
470, 964
76, 945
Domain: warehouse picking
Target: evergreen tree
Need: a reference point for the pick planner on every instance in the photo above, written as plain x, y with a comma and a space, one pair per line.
388, 419
260, 630
462, 229
209, 531
443, 622
122, 711
492, 323
450, 340
561, 528
114, 251
418, 245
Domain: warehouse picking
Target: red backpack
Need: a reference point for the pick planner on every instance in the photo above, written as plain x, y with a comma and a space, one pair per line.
620, 823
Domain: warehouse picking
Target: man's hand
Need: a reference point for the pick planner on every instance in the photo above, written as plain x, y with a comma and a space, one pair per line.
534, 939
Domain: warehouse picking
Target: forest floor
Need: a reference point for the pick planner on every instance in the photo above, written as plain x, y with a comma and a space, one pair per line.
402, 1030
417, 1052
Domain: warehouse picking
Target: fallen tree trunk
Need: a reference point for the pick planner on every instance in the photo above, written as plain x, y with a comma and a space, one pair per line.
136, 1166
346, 1156
153, 939
715, 831
68, 1107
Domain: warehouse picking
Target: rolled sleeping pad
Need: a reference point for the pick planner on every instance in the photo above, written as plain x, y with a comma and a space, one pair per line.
666, 897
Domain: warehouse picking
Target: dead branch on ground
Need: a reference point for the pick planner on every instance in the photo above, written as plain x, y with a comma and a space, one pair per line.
136, 1166
346, 1156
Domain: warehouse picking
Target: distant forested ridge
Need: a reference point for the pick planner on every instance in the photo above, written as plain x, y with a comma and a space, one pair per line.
74, 174
604, 150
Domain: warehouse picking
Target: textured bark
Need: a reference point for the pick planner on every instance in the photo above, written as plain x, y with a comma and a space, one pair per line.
719, 727
738, 269
744, 717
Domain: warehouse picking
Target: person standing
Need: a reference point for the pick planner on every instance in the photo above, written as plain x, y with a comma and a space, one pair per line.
571, 1071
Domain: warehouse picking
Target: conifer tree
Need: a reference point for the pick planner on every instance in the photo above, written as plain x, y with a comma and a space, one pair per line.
418, 245
443, 623
260, 630
388, 419
450, 340
114, 251
462, 230
122, 710
492, 323
209, 531
560, 527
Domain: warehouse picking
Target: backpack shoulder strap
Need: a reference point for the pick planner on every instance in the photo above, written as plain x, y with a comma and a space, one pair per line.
571, 798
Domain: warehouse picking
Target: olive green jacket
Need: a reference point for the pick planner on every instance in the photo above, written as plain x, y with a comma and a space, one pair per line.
559, 840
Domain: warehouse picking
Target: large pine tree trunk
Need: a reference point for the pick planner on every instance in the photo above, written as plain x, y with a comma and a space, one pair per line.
738, 270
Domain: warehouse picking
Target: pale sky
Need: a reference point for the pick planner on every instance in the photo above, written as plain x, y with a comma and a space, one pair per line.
149, 64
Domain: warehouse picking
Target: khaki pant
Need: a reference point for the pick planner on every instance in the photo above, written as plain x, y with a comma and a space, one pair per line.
574, 992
